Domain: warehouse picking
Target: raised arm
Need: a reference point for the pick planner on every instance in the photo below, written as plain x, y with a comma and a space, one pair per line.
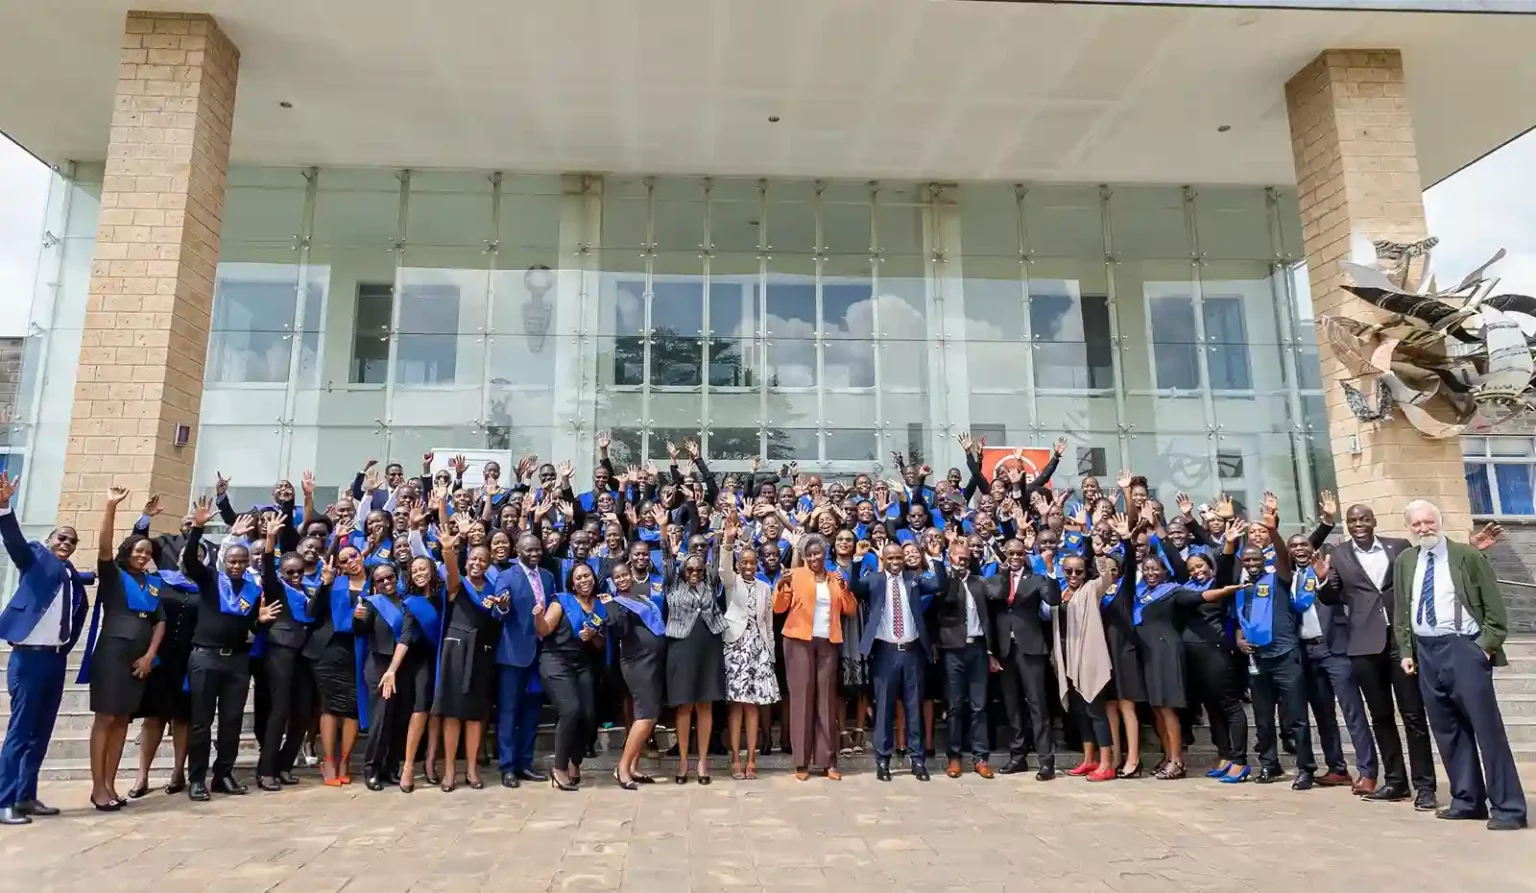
16, 544
196, 571
450, 543
221, 490
1039, 481
105, 547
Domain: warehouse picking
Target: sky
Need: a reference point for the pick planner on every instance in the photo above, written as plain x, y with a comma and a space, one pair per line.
1475, 212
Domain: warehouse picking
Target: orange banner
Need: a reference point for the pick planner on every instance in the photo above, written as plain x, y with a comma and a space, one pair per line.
995, 460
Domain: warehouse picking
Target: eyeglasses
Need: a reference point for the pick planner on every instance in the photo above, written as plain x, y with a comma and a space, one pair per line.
1074, 572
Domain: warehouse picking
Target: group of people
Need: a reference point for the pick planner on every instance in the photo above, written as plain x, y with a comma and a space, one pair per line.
425, 611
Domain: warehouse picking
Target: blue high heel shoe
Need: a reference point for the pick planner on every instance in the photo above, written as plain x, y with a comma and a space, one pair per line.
1238, 778
1219, 771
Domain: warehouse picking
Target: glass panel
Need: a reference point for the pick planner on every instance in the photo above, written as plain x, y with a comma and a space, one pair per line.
851, 444
847, 298
733, 443
845, 227
436, 305
621, 302
733, 323
734, 225
1477, 488
251, 333
989, 221
1227, 357
677, 324
791, 363
530, 320
1064, 221
680, 224
624, 224
1176, 348
791, 218
1510, 446
899, 217
1072, 346
1515, 488
1474, 446
1148, 221
902, 298
620, 362
1233, 222
793, 444
356, 223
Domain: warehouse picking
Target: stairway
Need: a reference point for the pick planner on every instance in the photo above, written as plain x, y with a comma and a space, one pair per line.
69, 753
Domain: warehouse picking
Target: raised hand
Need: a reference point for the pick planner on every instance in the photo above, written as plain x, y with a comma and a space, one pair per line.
603, 440
1106, 566
1320, 566
1014, 473
1270, 503
898, 459
1484, 538
659, 515
757, 463
1186, 506
651, 471
370, 479
672, 451
220, 483
266, 611
361, 611
448, 539
116, 495
1061, 446
152, 506
925, 471
243, 526
202, 511
327, 572
965, 440
525, 466
1123, 480
7, 489
419, 517
272, 522
1327, 506
426, 461
460, 465
1236, 531
1224, 507
1038, 503
567, 510
565, 469
692, 446
1123, 526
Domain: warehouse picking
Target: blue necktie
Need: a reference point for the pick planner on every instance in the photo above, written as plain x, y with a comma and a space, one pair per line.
1427, 592
67, 595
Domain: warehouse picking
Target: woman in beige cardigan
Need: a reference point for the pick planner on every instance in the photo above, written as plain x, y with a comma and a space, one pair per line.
1082, 661
749, 672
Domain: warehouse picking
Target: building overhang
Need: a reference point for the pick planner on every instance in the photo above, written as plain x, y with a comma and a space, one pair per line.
912, 89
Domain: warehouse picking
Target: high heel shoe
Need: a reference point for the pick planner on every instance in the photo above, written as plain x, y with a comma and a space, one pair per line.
1239, 778
430, 778
1082, 769
138, 791
557, 784
1172, 770
1133, 773
1219, 771
680, 779
407, 787
447, 786
109, 806
476, 784
642, 779
626, 785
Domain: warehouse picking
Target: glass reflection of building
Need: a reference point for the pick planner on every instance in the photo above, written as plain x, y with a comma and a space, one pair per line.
366, 312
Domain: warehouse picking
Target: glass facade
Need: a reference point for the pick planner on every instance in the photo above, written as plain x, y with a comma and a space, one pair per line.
366, 312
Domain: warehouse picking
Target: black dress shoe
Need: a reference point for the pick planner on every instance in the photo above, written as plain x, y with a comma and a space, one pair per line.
476, 784
373, 782
38, 809
9, 816
430, 778
286, 778
176, 787
1461, 815
531, 775
1268, 776
509, 780
1013, 766
1387, 793
268, 784
109, 806
137, 791
920, 771
1424, 801
1505, 824
228, 785
1304, 781
198, 791
1046, 773
882, 771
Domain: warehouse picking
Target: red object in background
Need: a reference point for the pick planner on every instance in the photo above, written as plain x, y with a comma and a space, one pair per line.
995, 460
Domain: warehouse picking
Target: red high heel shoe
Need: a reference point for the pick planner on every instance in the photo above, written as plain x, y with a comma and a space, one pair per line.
1102, 774
1082, 769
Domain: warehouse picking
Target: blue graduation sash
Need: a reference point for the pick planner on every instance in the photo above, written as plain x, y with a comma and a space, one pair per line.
647, 610
1256, 610
143, 599
577, 617
238, 603
426, 615
648, 534
1073, 543
392, 614
298, 601
341, 606
1150, 595
1304, 589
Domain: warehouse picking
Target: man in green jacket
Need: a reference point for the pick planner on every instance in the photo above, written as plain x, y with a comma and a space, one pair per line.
1450, 625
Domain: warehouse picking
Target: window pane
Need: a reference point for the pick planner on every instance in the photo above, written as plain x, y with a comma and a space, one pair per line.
733, 443
791, 363
370, 335
852, 444
1515, 485
1510, 446
427, 351
1477, 488
733, 322
1071, 331
251, 335
797, 444
1173, 339
1227, 334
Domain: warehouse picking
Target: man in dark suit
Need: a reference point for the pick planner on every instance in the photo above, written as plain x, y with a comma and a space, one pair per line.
896, 642
1359, 582
518, 697
1449, 625
965, 646
1016, 594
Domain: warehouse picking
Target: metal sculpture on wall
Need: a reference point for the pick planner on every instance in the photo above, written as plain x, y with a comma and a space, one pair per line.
1452, 361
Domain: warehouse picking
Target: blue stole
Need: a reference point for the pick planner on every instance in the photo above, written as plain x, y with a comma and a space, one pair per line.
648, 534
392, 614
341, 606
907, 535
1150, 595
1304, 589
578, 618
1037, 564
1256, 610
861, 530
298, 602
568, 564
426, 615
234, 602
143, 599
648, 611
989, 569
1073, 543
656, 583
1194, 585
480, 598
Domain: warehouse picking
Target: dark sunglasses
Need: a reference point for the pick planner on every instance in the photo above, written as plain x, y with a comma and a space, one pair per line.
1074, 572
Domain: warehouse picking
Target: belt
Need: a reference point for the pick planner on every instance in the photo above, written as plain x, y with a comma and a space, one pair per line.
970, 639
45, 649
903, 646
221, 652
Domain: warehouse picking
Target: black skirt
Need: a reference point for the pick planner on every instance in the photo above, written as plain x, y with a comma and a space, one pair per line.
466, 671
696, 667
418, 674
1127, 682
114, 689
165, 691
1162, 670
336, 678
645, 676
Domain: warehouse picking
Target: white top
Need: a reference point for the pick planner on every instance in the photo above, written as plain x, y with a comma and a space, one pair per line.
1446, 606
47, 630
1374, 560
821, 622
896, 603
972, 618
1311, 627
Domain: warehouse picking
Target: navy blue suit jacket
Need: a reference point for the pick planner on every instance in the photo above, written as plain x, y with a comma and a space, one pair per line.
519, 645
920, 590
42, 573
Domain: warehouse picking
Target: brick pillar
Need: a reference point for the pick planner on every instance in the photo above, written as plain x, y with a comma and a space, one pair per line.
1357, 174
151, 290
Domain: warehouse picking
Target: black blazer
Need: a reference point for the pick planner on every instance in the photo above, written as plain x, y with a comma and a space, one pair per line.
1020, 623
1368, 608
949, 610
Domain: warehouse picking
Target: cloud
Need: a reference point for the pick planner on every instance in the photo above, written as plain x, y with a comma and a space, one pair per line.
24, 182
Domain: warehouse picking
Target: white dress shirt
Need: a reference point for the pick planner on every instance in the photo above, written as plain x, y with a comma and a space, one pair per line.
896, 601
46, 632
1373, 560
972, 618
821, 620
1448, 608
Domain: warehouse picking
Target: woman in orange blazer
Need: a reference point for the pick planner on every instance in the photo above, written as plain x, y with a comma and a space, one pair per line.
816, 601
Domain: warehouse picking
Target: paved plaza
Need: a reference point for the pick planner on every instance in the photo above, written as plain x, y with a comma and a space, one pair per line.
770, 834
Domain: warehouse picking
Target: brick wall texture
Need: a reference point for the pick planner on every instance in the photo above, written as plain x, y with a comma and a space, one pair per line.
1357, 174
151, 288
10, 387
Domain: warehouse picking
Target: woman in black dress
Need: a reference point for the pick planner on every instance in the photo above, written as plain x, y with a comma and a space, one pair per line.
332, 650
571, 631
166, 701
416, 671
635, 622
695, 651
1126, 686
467, 657
129, 597
389, 632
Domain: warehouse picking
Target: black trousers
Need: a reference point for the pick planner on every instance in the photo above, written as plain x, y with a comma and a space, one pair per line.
1320, 697
1214, 687
388, 718
1027, 700
965, 684
570, 683
1380, 677
219, 680
1092, 719
290, 707
1280, 684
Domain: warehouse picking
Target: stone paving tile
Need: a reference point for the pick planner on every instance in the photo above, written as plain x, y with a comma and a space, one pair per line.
768, 835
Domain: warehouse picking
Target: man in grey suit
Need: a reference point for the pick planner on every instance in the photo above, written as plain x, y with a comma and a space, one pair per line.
1359, 582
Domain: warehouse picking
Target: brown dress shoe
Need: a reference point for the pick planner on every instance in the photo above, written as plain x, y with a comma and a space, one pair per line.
834, 775
1334, 780
952, 769
984, 770
1364, 786
802, 774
